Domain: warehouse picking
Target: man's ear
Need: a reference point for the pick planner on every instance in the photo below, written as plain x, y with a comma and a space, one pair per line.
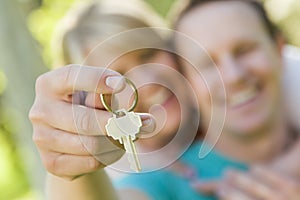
280, 42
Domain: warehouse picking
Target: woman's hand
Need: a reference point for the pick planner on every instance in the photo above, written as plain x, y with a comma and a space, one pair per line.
70, 137
259, 183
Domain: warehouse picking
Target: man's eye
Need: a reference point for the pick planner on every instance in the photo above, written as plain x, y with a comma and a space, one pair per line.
146, 55
204, 66
244, 49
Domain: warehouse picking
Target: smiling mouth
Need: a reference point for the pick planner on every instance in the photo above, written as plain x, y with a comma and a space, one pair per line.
243, 97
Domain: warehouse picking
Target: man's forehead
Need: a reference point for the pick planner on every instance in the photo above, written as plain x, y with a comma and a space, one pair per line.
214, 13
221, 21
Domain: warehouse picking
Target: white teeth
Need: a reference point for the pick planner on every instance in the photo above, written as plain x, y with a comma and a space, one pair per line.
242, 97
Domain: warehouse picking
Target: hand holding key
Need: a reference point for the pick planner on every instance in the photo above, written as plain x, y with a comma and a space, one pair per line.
123, 126
69, 135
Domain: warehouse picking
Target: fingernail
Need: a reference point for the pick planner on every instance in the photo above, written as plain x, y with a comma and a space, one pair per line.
146, 120
148, 123
116, 83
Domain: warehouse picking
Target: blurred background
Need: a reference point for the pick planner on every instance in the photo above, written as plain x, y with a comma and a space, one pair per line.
26, 28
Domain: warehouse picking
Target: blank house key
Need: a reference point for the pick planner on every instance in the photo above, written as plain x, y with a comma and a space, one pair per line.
124, 126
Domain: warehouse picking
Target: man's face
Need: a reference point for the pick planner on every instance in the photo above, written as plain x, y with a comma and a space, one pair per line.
246, 58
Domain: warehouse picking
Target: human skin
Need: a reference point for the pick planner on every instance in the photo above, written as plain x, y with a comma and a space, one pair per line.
63, 127
68, 134
162, 93
66, 158
150, 91
249, 62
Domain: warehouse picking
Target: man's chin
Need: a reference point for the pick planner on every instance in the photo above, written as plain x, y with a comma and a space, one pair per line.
246, 131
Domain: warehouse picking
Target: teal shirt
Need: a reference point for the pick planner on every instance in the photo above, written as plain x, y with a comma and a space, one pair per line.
166, 185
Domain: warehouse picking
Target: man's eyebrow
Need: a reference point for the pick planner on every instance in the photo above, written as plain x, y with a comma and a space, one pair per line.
203, 56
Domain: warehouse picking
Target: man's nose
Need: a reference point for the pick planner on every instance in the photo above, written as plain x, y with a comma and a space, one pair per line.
231, 71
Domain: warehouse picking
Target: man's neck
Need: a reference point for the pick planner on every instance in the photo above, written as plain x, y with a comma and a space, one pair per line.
260, 148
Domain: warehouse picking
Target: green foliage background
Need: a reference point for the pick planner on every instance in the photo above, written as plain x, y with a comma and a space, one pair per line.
14, 183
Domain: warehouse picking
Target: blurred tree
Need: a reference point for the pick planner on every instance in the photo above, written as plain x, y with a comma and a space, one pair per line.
28, 5
291, 25
21, 63
287, 15
42, 23
162, 7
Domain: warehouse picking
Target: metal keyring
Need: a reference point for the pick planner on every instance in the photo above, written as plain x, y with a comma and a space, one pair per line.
131, 84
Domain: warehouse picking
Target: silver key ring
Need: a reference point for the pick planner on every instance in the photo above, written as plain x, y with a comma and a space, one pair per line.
131, 108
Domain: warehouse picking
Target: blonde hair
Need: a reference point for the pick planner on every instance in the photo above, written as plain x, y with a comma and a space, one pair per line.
87, 24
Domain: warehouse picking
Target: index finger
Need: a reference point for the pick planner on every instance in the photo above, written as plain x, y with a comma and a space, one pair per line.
71, 78
276, 180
